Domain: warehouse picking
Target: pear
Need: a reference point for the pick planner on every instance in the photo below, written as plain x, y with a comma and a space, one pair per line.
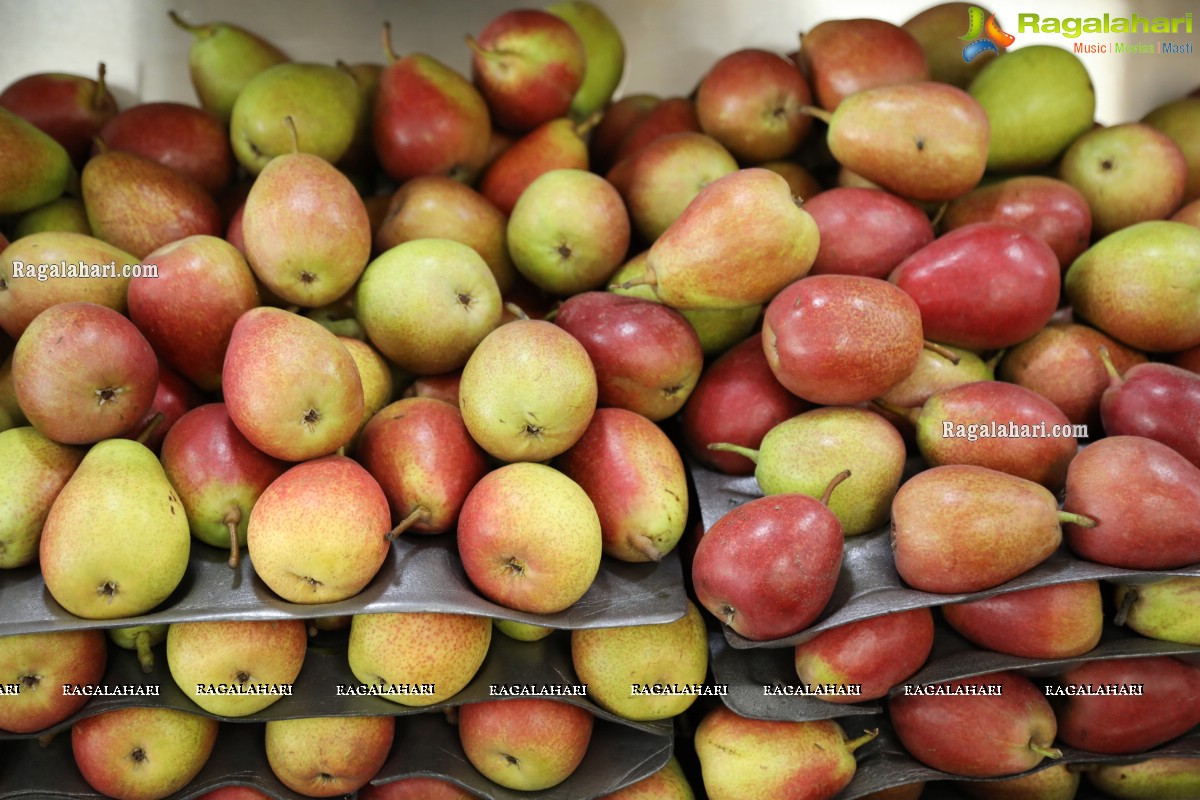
935, 372
140, 638
741, 240
938, 28
611, 660
604, 55
1038, 99
1062, 620
743, 758
322, 100
70, 108
1141, 286
963, 528
38, 469
799, 455
64, 214
522, 631
1161, 778
1167, 609
669, 783
35, 170
305, 230
222, 59
116, 541
1180, 119
1056, 782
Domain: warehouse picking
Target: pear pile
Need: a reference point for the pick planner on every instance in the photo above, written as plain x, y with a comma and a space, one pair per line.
336, 304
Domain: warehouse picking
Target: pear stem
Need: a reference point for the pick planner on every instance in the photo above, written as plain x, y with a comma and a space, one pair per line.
938, 214
291, 125
476, 48
1109, 366
584, 126
388, 50
645, 280
1076, 519
941, 350
642, 543
516, 310
101, 89
1044, 751
99, 145
141, 641
232, 520
418, 514
183, 23
994, 361
150, 428
819, 113
735, 448
854, 744
833, 484
1126, 606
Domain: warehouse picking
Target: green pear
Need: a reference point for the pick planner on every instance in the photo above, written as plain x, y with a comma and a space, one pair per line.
22, 299
116, 541
427, 303
1180, 119
305, 230
718, 328
63, 214
222, 59
612, 661
522, 631
1168, 610
938, 28
1141, 286
322, 100
37, 469
415, 648
11, 415
1161, 778
799, 454
140, 638
604, 52
934, 372
1038, 99
35, 168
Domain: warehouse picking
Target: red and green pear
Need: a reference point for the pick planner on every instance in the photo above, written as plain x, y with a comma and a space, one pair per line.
1061, 620
185, 138
69, 108
670, 115
558, 143
839, 58
939, 29
37, 171
40, 468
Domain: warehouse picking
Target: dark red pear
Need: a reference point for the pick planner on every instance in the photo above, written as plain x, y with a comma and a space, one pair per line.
865, 231
1112, 719
1061, 362
670, 115
768, 567
1188, 359
844, 56
1010, 723
185, 138
173, 398
419, 451
1049, 208
841, 339
737, 400
1057, 621
617, 121
218, 474
983, 286
1143, 497
1154, 400
71, 109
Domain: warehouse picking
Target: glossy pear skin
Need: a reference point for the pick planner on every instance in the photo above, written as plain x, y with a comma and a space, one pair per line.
1166, 609
1056, 621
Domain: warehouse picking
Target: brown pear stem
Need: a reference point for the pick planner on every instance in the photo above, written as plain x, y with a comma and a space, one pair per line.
854, 744
101, 88
833, 484
938, 214
910, 414
418, 514
1126, 606
150, 428
232, 520
645, 280
195, 30
45, 739
941, 350
291, 125
735, 448
1109, 366
141, 641
476, 48
819, 113
994, 361
1076, 519
643, 544
584, 126
1044, 751
388, 50
516, 310
99, 145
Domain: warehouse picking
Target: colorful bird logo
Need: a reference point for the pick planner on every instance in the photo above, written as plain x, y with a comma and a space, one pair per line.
983, 37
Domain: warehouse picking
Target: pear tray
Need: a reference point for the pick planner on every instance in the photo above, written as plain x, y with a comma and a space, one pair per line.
869, 585
419, 574
616, 757
315, 693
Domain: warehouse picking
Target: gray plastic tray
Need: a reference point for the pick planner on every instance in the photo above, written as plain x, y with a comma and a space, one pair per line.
419, 574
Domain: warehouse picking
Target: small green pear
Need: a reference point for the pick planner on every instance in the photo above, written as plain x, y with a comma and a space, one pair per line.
1161, 778
1038, 99
63, 214
522, 631
604, 51
116, 541
35, 168
1168, 610
36, 469
140, 638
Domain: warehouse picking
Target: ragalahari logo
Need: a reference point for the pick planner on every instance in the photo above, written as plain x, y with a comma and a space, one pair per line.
983, 37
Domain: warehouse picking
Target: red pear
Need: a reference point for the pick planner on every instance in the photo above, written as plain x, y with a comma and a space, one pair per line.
1157, 401
1057, 621
71, 109
836, 56
185, 138
865, 231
